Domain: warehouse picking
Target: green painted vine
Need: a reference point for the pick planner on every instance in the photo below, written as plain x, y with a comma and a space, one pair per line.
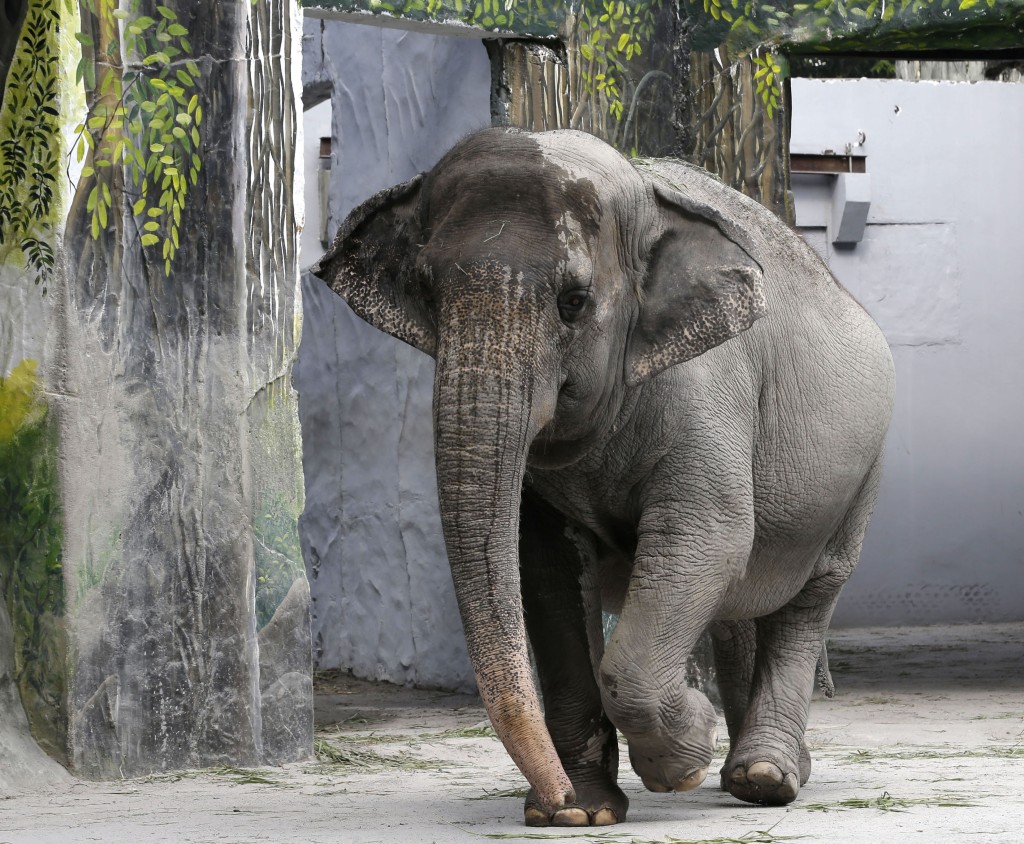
611, 34
145, 118
29, 158
768, 76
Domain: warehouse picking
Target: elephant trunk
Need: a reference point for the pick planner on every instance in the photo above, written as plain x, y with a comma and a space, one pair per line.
486, 416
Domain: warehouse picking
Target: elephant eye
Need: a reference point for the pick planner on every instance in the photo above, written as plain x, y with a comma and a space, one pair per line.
571, 304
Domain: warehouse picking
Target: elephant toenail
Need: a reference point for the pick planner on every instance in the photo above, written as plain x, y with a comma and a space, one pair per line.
765, 774
790, 787
692, 780
535, 817
571, 817
604, 817
738, 775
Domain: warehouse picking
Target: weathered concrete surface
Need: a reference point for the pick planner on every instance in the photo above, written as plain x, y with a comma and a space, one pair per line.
383, 604
922, 744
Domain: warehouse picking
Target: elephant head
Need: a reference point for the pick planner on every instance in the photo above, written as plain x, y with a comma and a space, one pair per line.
549, 278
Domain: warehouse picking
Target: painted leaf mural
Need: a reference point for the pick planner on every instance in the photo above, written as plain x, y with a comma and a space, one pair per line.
142, 134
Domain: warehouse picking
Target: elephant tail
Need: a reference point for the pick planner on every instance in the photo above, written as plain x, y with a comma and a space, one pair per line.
823, 675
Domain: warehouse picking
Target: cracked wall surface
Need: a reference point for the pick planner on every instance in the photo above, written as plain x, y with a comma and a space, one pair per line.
383, 604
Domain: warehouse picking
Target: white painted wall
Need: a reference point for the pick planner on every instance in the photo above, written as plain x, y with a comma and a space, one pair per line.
942, 270
316, 124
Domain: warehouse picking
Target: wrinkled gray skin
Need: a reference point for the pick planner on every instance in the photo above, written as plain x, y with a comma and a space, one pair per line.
651, 396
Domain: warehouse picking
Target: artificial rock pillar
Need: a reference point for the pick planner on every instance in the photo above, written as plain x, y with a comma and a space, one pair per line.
184, 619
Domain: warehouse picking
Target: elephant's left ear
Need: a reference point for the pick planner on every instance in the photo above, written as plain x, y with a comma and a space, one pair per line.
701, 287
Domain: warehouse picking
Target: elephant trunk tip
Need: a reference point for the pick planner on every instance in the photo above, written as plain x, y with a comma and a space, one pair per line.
520, 725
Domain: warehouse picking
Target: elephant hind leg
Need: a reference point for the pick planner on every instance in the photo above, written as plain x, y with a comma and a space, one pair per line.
768, 760
735, 649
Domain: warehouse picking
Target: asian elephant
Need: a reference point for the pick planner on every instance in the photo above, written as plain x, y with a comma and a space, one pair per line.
651, 396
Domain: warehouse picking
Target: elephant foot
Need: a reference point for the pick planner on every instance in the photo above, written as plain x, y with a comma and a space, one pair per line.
804, 767
597, 804
764, 777
678, 762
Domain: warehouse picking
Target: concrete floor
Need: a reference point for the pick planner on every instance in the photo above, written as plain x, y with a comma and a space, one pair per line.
924, 742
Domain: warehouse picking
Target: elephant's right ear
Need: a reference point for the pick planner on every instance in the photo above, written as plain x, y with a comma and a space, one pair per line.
372, 264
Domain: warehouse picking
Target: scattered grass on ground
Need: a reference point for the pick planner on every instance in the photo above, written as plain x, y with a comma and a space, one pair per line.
500, 793
336, 735
885, 802
998, 716
990, 752
366, 760
238, 776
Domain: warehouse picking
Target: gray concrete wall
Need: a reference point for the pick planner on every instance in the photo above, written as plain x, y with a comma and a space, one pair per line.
941, 270
382, 599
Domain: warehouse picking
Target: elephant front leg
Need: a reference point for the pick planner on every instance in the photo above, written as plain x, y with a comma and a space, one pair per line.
677, 584
563, 620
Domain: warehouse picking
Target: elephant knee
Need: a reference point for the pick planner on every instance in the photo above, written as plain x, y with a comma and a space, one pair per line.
629, 690
642, 699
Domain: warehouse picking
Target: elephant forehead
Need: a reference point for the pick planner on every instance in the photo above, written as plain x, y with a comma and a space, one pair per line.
532, 179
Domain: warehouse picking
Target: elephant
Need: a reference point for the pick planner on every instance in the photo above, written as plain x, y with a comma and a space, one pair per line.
651, 398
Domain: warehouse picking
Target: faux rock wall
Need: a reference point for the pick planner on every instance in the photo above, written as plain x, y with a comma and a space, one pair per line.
156, 611
382, 598
188, 601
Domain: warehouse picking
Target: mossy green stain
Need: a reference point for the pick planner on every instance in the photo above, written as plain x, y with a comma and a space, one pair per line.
31, 566
278, 556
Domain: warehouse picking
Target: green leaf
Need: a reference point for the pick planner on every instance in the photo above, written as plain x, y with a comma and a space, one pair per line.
587, 51
184, 78
193, 68
151, 226
87, 172
90, 203
149, 239
177, 29
83, 39
101, 210
623, 41
139, 207
167, 13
